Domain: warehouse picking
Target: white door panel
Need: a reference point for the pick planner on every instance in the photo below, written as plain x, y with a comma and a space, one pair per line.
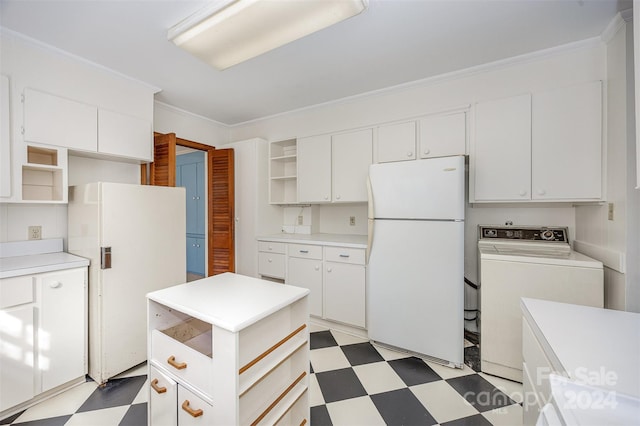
416, 282
425, 189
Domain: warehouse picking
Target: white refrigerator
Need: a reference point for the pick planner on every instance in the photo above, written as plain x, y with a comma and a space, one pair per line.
416, 257
134, 236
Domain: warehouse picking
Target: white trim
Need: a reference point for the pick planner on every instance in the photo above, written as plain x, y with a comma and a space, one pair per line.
58, 51
610, 258
453, 75
612, 28
188, 113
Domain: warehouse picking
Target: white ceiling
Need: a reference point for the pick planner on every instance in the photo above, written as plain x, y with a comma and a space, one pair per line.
393, 42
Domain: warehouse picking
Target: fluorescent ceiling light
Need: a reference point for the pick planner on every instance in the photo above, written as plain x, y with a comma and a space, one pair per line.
231, 31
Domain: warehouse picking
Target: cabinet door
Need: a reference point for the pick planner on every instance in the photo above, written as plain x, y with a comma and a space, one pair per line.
163, 398
195, 255
53, 120
501, 150
344, 293
16, 356
307, 273
314, 169
351, 156
396, 142
567, 143
443, 135
5, 138
62, 331
124, 135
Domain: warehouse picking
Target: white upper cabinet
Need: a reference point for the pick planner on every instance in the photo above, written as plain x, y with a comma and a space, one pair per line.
541, 147
566, 147
396, 142
54, 120
124, 135
334, 168
442, 135
501, 152
352, 154
58, 121
314, 169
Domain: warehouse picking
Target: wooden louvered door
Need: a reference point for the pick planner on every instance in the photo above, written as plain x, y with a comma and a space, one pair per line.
163, 168
221, 212
220, 193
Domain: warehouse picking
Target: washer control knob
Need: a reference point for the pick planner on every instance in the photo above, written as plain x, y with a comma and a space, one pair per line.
547, 235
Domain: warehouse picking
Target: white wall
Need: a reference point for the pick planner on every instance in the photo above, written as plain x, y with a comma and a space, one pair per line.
556, 68
192, 127
620, 235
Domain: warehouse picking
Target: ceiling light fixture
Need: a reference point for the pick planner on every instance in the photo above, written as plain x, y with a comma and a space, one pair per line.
231, 31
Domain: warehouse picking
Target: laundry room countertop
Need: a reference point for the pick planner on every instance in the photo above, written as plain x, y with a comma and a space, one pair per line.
342, 240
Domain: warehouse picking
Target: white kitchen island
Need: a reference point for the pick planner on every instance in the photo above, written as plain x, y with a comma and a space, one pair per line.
228, 349
580, 364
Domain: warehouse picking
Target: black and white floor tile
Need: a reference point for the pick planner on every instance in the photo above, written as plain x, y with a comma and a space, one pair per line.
352, 383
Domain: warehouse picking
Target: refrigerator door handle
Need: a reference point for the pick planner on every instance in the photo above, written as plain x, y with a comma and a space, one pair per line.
370, 226
370, 198
105, 257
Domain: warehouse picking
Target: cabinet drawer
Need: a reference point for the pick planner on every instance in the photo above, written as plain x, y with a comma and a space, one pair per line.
271, 264
344, 255
193, 410
271, 247
16, 291
305, 251
199, 366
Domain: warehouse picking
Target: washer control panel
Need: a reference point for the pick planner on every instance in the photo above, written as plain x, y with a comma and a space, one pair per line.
549, 234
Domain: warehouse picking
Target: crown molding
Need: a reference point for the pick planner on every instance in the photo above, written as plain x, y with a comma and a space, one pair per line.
618, 22
181, 111
454, 75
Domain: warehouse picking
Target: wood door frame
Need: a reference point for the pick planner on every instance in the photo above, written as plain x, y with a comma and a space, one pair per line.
209, 150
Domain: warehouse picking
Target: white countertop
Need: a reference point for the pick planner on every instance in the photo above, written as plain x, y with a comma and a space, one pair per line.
341, 240
34, 257
229, 300
589, 343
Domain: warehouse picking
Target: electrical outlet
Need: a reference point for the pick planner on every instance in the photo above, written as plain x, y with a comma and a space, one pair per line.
352, 220
300, 220
35, 232
610, 211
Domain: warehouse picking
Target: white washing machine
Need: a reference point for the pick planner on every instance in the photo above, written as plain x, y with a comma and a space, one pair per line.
535, 262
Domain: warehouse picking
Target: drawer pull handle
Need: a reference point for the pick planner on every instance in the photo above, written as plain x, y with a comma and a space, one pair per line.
344, 255
188, 409
279, 398
271, 349
158, 389
304, 251
176, 365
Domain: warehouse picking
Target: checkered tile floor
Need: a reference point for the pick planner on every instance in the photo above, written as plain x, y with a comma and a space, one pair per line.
352, 383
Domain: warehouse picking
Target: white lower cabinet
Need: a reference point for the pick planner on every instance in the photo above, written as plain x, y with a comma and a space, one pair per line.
43, 336
271, 259
336, 278
344, 293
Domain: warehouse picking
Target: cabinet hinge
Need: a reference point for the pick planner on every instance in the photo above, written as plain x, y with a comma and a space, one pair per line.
22, 130
22, 98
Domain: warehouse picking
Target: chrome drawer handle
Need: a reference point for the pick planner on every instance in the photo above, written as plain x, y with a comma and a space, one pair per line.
304, 251
344, 255
177, 365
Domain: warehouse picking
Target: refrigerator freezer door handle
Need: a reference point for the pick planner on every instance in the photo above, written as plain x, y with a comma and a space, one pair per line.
370, 198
